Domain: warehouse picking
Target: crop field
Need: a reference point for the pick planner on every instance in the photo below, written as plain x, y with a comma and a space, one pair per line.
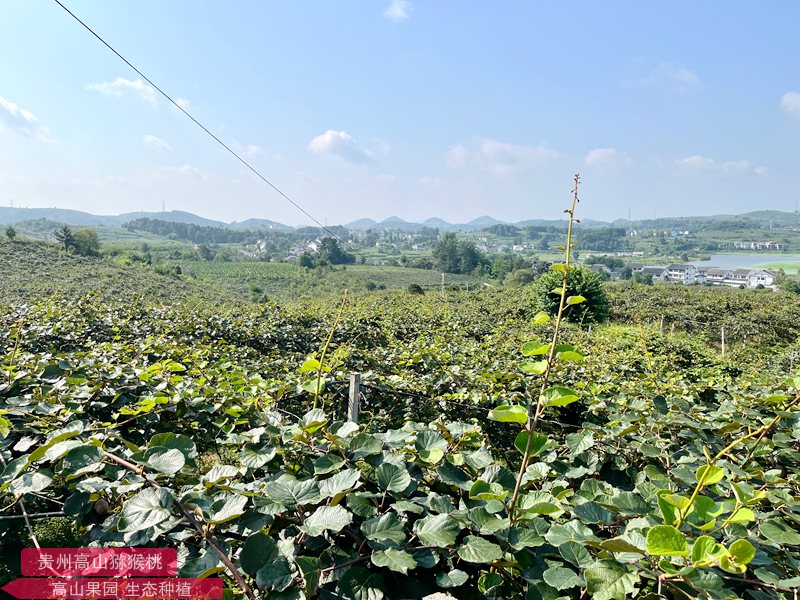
790, 268
498, 453
289, 280
34, 271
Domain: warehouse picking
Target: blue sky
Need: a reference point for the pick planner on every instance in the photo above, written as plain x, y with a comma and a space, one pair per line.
376, 108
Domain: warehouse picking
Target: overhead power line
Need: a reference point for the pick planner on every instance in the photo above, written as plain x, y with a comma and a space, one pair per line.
204, 128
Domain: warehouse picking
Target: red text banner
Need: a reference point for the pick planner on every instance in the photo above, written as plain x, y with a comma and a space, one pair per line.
94, 588
85, 562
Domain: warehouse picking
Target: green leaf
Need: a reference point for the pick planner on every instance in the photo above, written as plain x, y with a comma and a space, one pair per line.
310, 567
437, 530
392, 478
707, 552
535, 368
31, 482
59, 449
778, 531
314, 419
743, 515
310, 365
509, 413
570, 356
167, 461
429, 439
481, 490
395, 560
432, 456
561, 578
534, 349
258, 550
609, 580
255, 457
591, 512
146, 509
219, 472
742, 551
178, 442
579, 442
620, 544
559, 396
538, 442
228, 507
84, 459
571, 300
328, 463
358, 583
454, 578
541, 318
293, 492
365, 444
476, 549
490, 584
538, 502
386, 528
340, 482
326, 518
576, 553
709, 474
571, 531
275, 575
666, 540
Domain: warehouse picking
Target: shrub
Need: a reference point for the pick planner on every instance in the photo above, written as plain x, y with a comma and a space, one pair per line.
415, 288
581, 282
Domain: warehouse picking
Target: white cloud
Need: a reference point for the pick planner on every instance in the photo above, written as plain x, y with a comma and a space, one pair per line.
736, 166
22, 121
121, 87
156, 143
696, 162
699, 163
607, 158
184, 170
253, 150
398, 10
501, 158
673, 77
457, 156
341, 144
183, 103
790, 103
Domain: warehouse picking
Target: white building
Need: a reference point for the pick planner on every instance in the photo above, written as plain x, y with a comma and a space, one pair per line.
684, 274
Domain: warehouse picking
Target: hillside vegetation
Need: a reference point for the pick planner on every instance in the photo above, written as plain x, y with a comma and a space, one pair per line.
657, 468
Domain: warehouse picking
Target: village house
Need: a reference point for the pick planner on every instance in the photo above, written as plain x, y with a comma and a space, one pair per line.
679, 273
656, 273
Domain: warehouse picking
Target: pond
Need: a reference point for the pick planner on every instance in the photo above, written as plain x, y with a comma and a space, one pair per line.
743, 261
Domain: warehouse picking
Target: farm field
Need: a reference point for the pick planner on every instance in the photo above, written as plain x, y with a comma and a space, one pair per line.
658, 463
790, 268
288, 280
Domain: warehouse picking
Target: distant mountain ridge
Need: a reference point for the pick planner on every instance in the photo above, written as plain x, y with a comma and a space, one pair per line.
76, 218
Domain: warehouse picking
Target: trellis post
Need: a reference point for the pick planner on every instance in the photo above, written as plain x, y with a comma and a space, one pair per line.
353, 396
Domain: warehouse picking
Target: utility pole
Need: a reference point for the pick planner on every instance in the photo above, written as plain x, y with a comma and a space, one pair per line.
442, 286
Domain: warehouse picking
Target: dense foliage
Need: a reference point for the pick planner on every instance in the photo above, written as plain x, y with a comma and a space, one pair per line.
581, 282
147, 421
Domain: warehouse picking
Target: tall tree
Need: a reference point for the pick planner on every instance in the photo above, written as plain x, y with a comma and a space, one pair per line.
65, 236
